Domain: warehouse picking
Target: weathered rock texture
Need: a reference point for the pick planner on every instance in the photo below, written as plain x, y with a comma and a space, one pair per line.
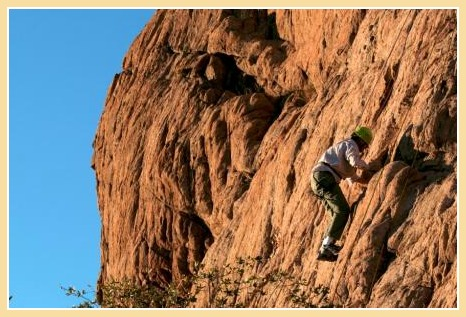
208, 136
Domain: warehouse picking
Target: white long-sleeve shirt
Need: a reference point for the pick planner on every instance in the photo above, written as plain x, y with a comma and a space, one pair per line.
342, 160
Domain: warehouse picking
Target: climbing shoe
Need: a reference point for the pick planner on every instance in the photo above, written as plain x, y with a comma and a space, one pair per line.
326, 255
328, 252
335, 249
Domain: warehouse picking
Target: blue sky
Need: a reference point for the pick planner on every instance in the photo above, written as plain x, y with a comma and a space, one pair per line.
61, 63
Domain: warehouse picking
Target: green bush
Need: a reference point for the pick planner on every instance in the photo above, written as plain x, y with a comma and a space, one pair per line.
232, 286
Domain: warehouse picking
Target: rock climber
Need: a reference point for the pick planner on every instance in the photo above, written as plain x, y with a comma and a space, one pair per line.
340, 161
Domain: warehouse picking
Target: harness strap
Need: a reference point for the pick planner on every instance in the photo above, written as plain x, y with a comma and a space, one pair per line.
330, 166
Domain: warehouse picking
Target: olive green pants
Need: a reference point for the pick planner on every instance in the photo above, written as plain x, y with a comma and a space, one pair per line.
323, 184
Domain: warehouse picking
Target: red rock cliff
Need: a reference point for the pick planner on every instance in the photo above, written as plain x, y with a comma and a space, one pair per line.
208, 136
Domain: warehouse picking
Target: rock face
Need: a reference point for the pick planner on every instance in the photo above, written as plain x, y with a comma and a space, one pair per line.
205, 146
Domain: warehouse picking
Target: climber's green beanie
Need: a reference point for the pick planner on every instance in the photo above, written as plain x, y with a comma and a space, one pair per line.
365, 134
